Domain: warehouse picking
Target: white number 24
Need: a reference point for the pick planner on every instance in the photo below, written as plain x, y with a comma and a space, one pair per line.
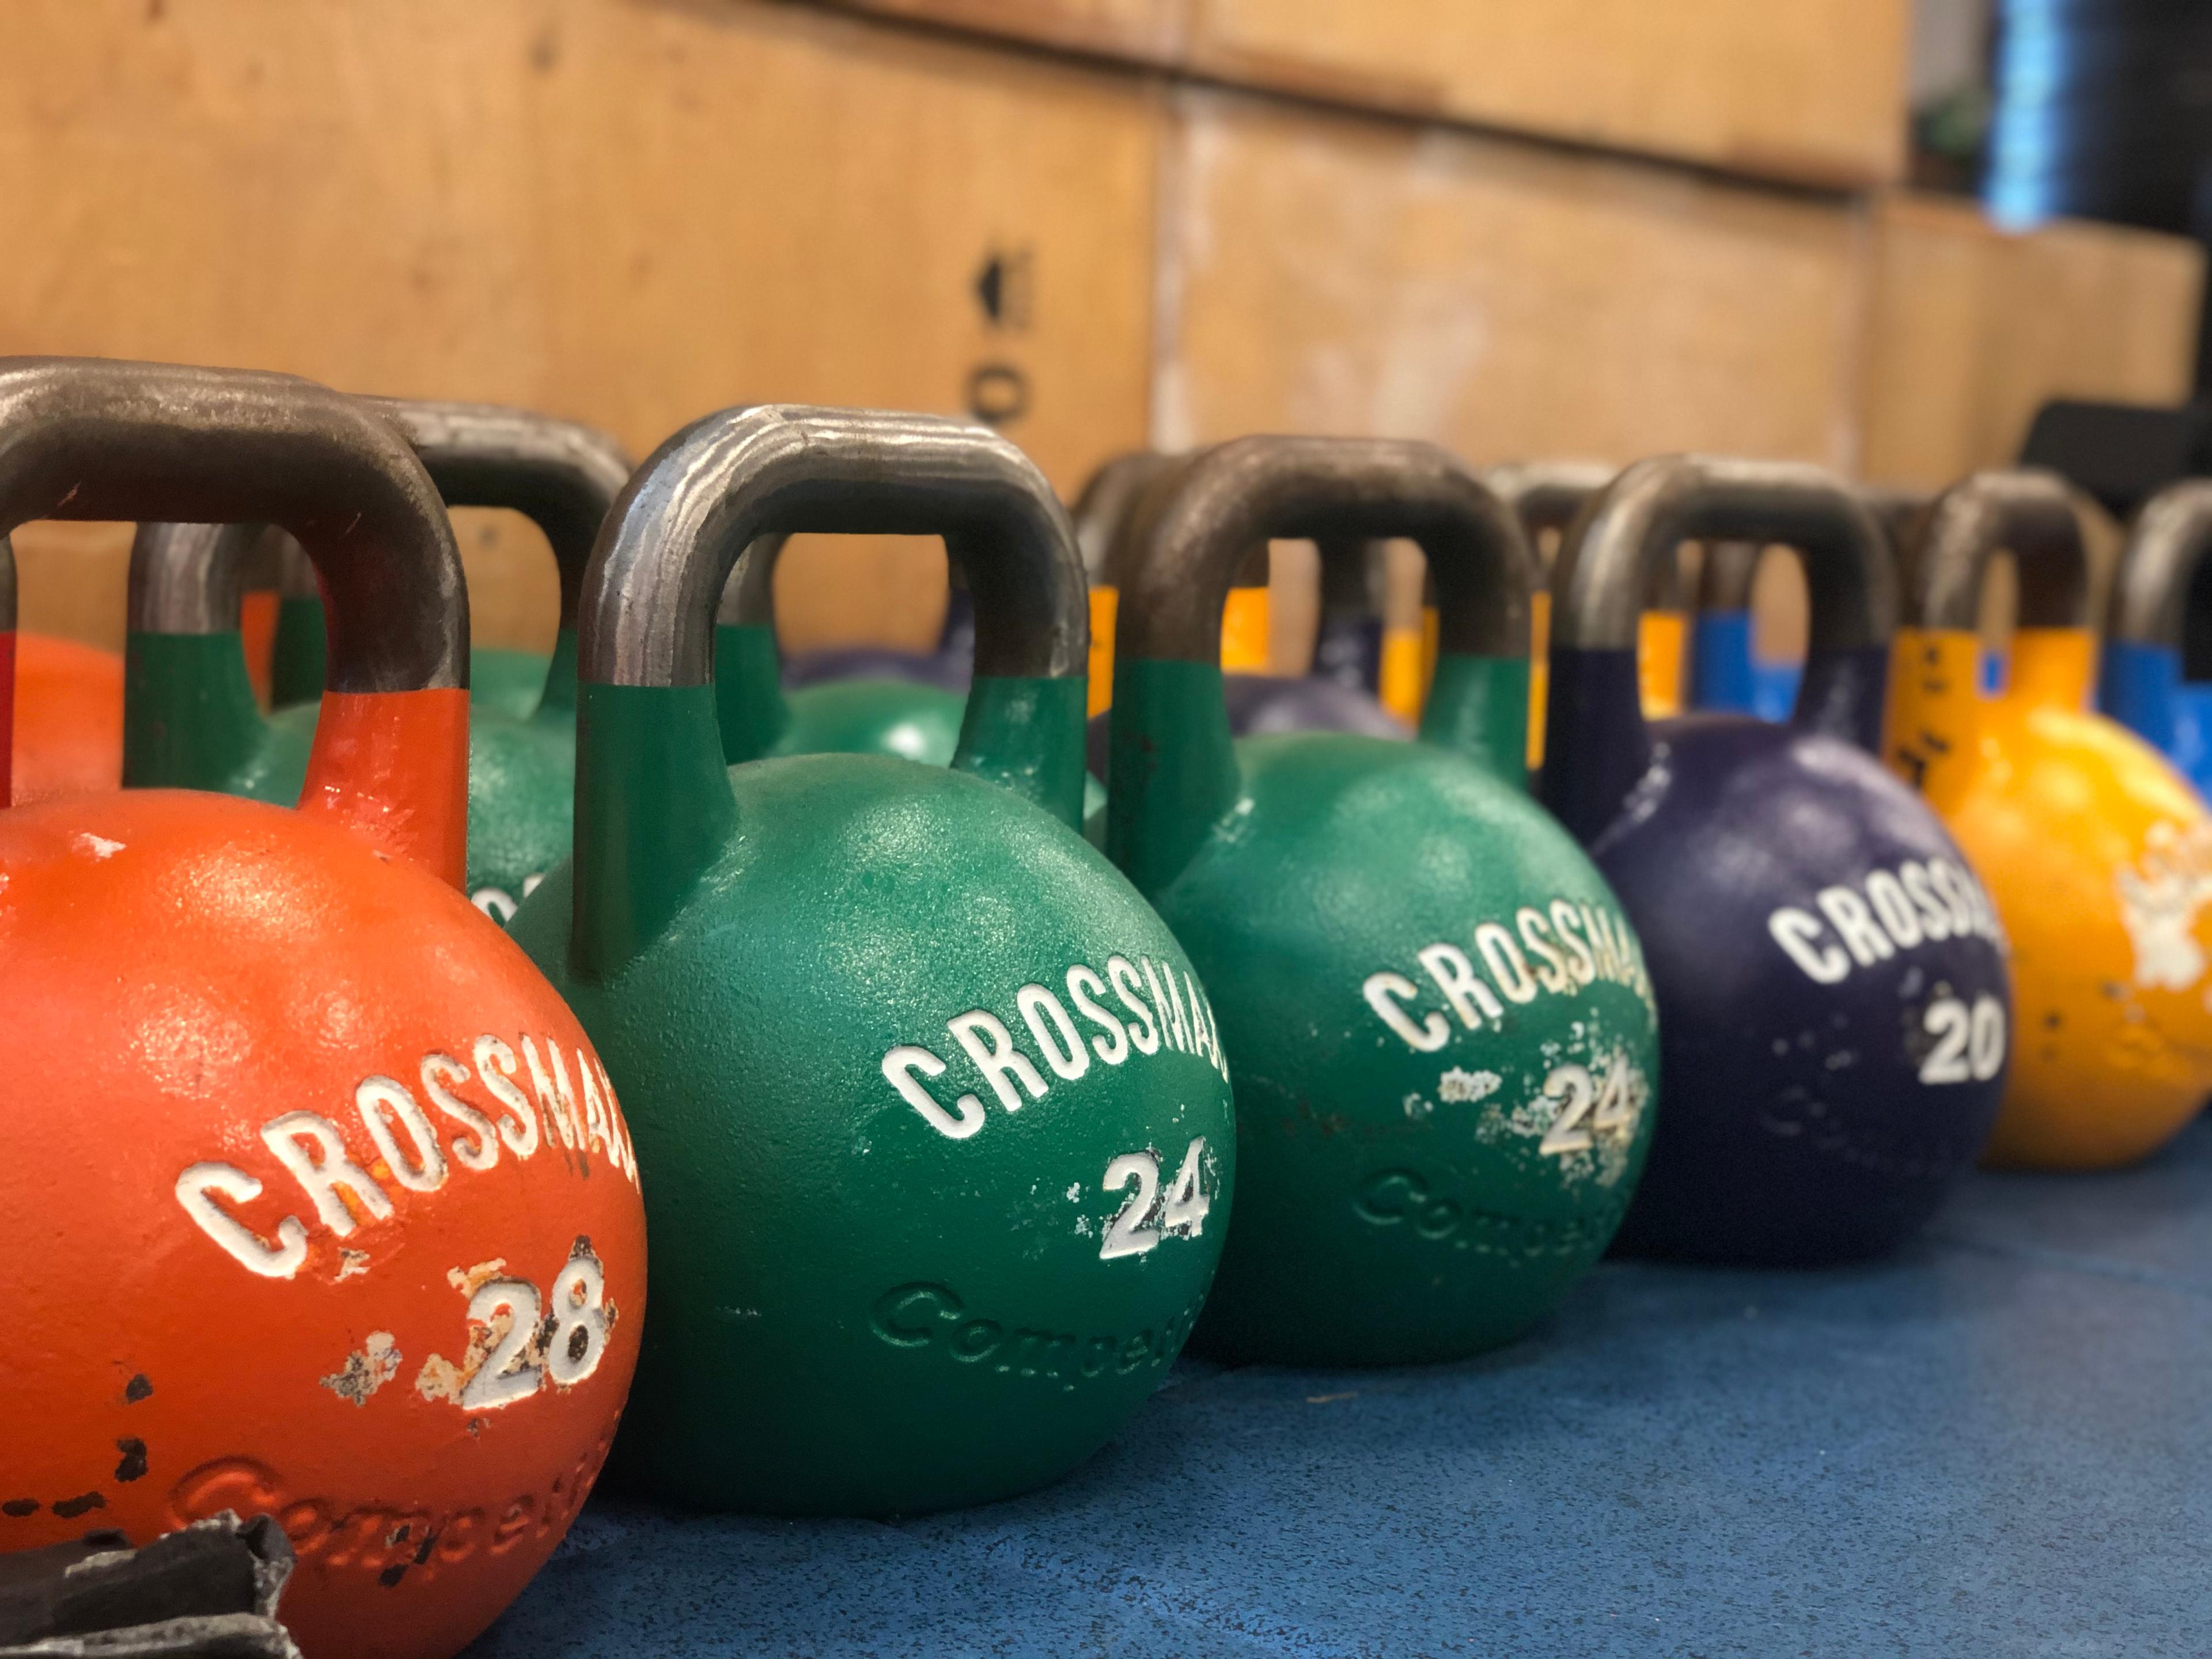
1183, 1214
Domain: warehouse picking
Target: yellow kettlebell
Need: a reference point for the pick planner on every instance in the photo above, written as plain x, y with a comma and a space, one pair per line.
2096, 851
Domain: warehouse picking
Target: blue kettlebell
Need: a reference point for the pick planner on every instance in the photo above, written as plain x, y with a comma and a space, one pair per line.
2152, 630
1812, 929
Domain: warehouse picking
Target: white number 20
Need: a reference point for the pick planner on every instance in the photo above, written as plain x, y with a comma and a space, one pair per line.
1967, 1045
1183, 1214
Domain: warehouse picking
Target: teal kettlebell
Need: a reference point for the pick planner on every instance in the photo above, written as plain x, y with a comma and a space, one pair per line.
940, 1121
1438, 1020
189, 716
868, 713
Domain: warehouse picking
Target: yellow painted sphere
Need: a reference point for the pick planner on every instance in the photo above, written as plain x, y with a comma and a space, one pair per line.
2097, 855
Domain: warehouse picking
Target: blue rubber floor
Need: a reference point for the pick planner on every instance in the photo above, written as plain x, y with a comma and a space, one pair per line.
1995, 1443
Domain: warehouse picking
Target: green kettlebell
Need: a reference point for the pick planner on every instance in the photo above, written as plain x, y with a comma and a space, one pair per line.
510, 681
936, 1110
1443, 1035
870, 714
189, 716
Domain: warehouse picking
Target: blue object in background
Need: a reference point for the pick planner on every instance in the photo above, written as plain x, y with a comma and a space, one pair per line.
1726, 677
2141, 686
1991, 1443
1720, 662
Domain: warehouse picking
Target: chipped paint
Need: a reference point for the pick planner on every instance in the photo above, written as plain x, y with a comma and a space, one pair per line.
2160, 898
367, 1369
351, 1264
469, 1280
1458, 1086
440, 1378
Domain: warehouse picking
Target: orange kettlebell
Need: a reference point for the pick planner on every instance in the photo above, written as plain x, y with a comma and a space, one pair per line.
2097, 853
316, 1202
67, 703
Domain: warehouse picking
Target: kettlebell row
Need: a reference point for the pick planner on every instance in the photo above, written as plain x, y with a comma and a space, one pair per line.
970, 1032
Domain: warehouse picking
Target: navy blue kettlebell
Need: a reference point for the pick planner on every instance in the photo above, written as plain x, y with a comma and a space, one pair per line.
2145, 680
1812, 929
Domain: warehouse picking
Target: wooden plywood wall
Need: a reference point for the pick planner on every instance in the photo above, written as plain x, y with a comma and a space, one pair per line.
623, 212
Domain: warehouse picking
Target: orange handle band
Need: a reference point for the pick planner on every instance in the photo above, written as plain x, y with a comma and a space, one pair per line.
1662, 646
1244, 645
1105, 606
7, 716
2052, 667
392, 767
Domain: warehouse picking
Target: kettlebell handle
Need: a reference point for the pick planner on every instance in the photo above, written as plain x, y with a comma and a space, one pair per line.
1546, 494
654, 805
1654, 506
1724, 581
94, 438
666, 551
1934, 701
1180, 549
1598, 747
2165, 547
1109, 497
89, 438
2139, 675
1173, 770
562, 476
2028, 513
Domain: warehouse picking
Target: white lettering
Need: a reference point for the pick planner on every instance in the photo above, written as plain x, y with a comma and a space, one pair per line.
518, 1128
1123, 973
373, 1097
1847, 914
1552, 967
1082, 989
1506, 963
195, 1187
1470, 999
1583, 966
1892, 910
1064, 1053
899, 1068
324, 1168
478, 1150
991, 1045
1796, 932
1384, 992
